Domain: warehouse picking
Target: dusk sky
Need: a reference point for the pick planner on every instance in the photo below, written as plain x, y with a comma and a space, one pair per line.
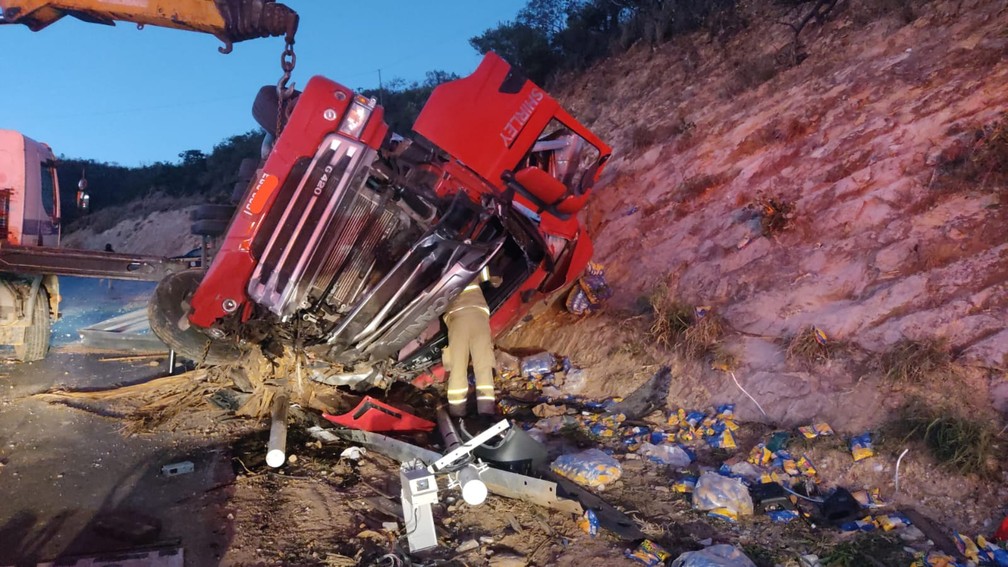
132, 96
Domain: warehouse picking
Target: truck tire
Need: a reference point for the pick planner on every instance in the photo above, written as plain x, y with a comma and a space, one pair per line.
36, 335
168, 306
209, 227
212, 212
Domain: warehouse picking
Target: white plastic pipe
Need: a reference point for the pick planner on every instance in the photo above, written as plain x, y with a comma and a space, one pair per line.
474, 491
276, 450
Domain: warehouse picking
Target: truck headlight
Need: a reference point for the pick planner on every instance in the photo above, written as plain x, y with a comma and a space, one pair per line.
353, 122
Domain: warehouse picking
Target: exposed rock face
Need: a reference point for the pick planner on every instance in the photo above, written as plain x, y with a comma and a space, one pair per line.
862, 138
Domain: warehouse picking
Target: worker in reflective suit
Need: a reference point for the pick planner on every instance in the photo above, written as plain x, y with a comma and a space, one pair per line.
468, 321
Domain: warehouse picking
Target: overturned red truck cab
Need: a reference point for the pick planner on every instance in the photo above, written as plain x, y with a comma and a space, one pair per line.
350, 241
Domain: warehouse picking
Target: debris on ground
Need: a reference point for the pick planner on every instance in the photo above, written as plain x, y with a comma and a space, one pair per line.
592, 467
699, 465
589, 292
721, 555
722, 496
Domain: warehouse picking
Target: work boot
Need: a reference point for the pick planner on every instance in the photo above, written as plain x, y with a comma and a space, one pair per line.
457, 410
486, 407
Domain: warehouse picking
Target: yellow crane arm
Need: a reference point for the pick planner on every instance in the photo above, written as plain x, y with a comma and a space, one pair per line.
229, 20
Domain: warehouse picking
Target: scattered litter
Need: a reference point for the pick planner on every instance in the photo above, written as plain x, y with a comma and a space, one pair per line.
771, 497
861, 447
778, 440
549, 410
592, 468
353, 453
841, 507
782, 516
819, 335
911, 533
863, 525
869, 498
685, 485
590, 292
666, 454
467, 546
744, 469
174, 469
649, 553
721, 555
719, 493
821, 429
589, 522
574, 381
390, 526
540, 364
889, 522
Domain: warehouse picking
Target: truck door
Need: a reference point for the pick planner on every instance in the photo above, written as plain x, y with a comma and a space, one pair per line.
49, 222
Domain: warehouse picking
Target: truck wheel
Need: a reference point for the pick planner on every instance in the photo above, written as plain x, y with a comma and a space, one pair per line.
213, 212
168, 307
36, 335
209, 227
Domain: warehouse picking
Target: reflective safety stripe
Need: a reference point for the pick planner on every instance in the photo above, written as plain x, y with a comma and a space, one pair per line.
485, 398
484, 387
458, 396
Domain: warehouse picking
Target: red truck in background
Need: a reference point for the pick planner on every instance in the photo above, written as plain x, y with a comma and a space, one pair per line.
29, 216
350, 241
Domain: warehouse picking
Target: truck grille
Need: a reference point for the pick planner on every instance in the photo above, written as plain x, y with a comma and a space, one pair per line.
326, 237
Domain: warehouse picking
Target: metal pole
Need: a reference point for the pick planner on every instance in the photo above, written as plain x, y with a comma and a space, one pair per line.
276, 452
448, 432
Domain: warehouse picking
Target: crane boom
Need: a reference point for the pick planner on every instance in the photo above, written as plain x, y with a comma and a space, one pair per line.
229, 20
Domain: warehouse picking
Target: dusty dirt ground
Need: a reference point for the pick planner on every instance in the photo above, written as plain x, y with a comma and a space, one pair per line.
65, 470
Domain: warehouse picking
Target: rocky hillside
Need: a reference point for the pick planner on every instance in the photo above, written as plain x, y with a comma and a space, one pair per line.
871, 143
139, 228
859, 192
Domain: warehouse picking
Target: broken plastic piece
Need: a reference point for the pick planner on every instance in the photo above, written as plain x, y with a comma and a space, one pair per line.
181, 467
1002, 532
840, 507
353, 453
372, 415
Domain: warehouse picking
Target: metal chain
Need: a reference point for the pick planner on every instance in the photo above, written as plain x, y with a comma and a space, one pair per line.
284, 93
